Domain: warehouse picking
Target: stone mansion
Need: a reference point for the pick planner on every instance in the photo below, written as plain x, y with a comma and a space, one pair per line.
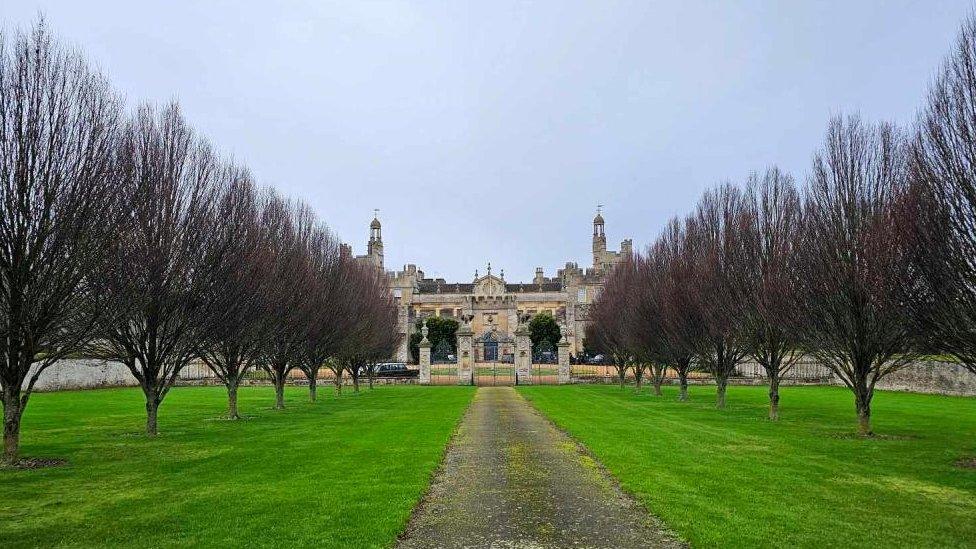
494, 304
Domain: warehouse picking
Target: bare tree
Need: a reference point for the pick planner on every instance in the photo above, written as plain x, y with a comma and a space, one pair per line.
385, 335
608, 328
284, 324
233, 332
854, 265
59, 200
156, 284
326, 306
338, 367
644, 325
640, 321
716, 246
367, 314
770, 273
669, 269
944, 170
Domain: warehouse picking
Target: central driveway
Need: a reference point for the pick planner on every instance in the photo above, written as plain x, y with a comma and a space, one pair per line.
510, 479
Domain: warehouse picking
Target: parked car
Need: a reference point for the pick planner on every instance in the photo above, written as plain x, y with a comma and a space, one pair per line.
394, 369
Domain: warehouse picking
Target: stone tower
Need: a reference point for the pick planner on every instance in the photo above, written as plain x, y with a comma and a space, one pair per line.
599, 241
374, 248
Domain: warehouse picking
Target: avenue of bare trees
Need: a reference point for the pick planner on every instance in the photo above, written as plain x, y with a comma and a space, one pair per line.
128, 237
867, 267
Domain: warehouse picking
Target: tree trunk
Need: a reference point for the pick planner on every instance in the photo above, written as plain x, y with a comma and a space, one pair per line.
862, 401
722, 383
12, 413
232, 401
312, 386
338, 383
638, 379
370, 377
152, 410
355, 383
683, 384
279, 384
774, 397
657, 378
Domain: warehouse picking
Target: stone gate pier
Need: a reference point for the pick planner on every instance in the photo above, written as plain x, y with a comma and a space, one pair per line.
523, 353
465, 351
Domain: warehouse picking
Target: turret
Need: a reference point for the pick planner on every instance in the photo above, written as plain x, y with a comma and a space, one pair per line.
599, 240
627, 248
539, 276
374, 248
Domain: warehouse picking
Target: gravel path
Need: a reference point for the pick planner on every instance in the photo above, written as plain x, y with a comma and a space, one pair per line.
511, 479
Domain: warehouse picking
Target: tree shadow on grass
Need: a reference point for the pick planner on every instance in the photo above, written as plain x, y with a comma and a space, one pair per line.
968, 462
228, 419
873, 436
31, 463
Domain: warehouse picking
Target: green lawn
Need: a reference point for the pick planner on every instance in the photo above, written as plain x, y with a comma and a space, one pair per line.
342, 472
732, 478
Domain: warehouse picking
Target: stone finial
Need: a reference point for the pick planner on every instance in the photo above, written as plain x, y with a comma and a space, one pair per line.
424, 331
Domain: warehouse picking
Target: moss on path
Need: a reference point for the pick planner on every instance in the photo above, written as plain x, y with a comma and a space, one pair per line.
510, 479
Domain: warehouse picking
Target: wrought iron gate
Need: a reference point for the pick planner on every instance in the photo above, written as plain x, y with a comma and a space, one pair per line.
491, 347
494, 373
443, 370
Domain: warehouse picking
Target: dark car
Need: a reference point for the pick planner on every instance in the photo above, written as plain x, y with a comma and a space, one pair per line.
395, 369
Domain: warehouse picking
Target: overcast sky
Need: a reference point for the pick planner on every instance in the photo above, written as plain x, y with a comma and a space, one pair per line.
491, 130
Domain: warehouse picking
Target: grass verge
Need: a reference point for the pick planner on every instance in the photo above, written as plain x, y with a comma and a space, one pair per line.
733, 478
342, 472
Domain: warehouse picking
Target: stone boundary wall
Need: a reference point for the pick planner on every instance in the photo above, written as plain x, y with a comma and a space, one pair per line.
75, 374
922, 377
84, 374
90, 373
929, 376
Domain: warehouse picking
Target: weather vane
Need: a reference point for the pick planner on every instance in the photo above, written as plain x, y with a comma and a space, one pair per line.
599, 208
376, 213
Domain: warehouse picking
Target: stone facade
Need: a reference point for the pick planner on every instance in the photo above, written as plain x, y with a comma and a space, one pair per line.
494, 303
